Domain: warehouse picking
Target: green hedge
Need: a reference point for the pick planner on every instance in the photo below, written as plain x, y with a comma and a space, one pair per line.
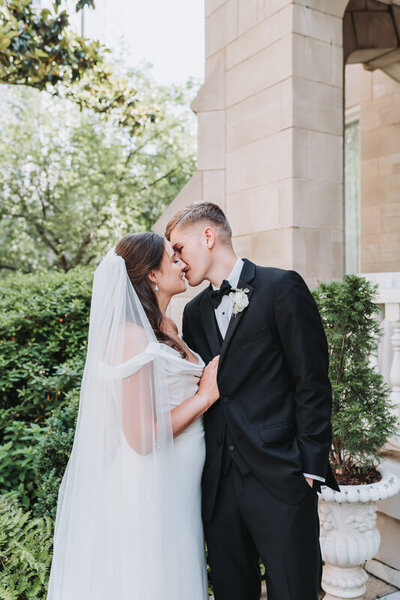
52, 456
43, 335
17, 455
44, 322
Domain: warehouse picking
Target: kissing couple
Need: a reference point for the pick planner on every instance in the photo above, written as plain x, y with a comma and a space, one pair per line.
214, 443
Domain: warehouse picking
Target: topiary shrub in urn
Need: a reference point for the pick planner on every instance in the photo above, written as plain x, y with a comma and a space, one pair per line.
363, 420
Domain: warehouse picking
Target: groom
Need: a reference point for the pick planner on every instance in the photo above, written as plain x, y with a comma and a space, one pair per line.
268, 436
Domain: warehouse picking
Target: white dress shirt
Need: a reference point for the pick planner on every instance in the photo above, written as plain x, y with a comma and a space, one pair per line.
223, 314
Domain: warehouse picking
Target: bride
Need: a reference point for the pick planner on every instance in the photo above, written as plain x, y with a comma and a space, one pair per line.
128, 524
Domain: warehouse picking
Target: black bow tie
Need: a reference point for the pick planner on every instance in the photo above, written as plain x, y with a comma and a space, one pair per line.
216, 295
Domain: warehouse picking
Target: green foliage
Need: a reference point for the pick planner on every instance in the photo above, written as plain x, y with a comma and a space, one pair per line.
43, 336
17, 455
71, 185
25, 552
52, 455
39, 49
43, 327
362, 416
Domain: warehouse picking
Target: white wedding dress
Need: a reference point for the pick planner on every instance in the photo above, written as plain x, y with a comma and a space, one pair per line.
189, 571
128, 523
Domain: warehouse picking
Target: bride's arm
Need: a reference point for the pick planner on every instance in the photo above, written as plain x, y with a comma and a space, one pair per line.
138, 409
191, 409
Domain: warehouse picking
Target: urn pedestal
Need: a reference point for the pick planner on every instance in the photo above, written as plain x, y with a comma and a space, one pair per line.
348, 535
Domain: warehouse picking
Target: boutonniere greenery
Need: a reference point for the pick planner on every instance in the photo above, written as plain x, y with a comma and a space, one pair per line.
239, 299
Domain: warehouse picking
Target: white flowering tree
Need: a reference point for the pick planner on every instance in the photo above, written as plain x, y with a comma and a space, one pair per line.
71, 184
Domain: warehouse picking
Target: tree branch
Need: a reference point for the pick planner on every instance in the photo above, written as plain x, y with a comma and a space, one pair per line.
149, 185
13, 268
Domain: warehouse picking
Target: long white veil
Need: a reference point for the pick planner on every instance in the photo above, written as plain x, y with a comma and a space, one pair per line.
117, 529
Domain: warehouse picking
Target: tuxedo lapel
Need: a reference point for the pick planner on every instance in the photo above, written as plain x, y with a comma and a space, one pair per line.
210, 324
247, 275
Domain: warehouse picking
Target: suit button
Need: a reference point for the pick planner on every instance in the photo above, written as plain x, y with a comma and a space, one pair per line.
225, 399
231, 447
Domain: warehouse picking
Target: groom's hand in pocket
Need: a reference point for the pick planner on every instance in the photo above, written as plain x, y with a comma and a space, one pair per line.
310, 481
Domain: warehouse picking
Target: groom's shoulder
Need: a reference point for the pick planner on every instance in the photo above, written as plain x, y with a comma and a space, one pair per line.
269, 273
275, 275
194, 303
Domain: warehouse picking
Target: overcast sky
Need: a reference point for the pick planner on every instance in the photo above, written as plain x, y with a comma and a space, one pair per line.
169, 33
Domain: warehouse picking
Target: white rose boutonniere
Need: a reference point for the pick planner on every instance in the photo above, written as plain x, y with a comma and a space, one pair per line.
239, 299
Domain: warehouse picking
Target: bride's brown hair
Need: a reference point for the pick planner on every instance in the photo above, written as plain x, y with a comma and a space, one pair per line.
142, 253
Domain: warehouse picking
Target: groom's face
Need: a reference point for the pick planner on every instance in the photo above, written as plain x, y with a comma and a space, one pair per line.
190, 245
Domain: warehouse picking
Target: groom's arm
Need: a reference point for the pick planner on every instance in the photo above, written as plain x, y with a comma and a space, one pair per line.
306, 350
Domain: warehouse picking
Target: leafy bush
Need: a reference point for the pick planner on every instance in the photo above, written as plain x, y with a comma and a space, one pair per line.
362, 416
17, 454
25, 552
52, 455
43, 336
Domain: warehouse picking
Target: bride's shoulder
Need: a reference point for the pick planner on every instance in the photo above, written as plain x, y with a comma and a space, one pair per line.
135, 338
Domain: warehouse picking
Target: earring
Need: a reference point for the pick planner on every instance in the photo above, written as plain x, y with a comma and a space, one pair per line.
156, 288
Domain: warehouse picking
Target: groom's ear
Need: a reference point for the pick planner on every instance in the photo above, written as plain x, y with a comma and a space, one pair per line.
209, 237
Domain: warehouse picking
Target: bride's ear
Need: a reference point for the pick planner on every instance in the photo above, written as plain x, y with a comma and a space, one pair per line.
152, 277
153, 280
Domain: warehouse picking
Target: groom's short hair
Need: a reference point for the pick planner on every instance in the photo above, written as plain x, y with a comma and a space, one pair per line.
201, 211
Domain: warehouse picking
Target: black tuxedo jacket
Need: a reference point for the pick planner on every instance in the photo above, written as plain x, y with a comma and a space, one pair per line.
275, 395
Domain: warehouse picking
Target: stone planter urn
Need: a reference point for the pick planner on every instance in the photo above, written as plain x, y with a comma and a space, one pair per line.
348, 535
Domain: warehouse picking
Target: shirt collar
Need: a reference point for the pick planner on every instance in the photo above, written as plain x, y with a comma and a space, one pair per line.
234, 275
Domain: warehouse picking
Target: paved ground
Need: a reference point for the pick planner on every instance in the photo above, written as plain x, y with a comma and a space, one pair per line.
376, 588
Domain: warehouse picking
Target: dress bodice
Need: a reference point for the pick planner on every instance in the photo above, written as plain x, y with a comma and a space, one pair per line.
182, 376
182, 380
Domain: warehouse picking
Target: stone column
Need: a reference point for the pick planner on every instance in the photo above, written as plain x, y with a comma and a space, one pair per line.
270, 131
317, 185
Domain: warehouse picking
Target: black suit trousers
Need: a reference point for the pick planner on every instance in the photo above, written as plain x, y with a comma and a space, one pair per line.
249, 522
